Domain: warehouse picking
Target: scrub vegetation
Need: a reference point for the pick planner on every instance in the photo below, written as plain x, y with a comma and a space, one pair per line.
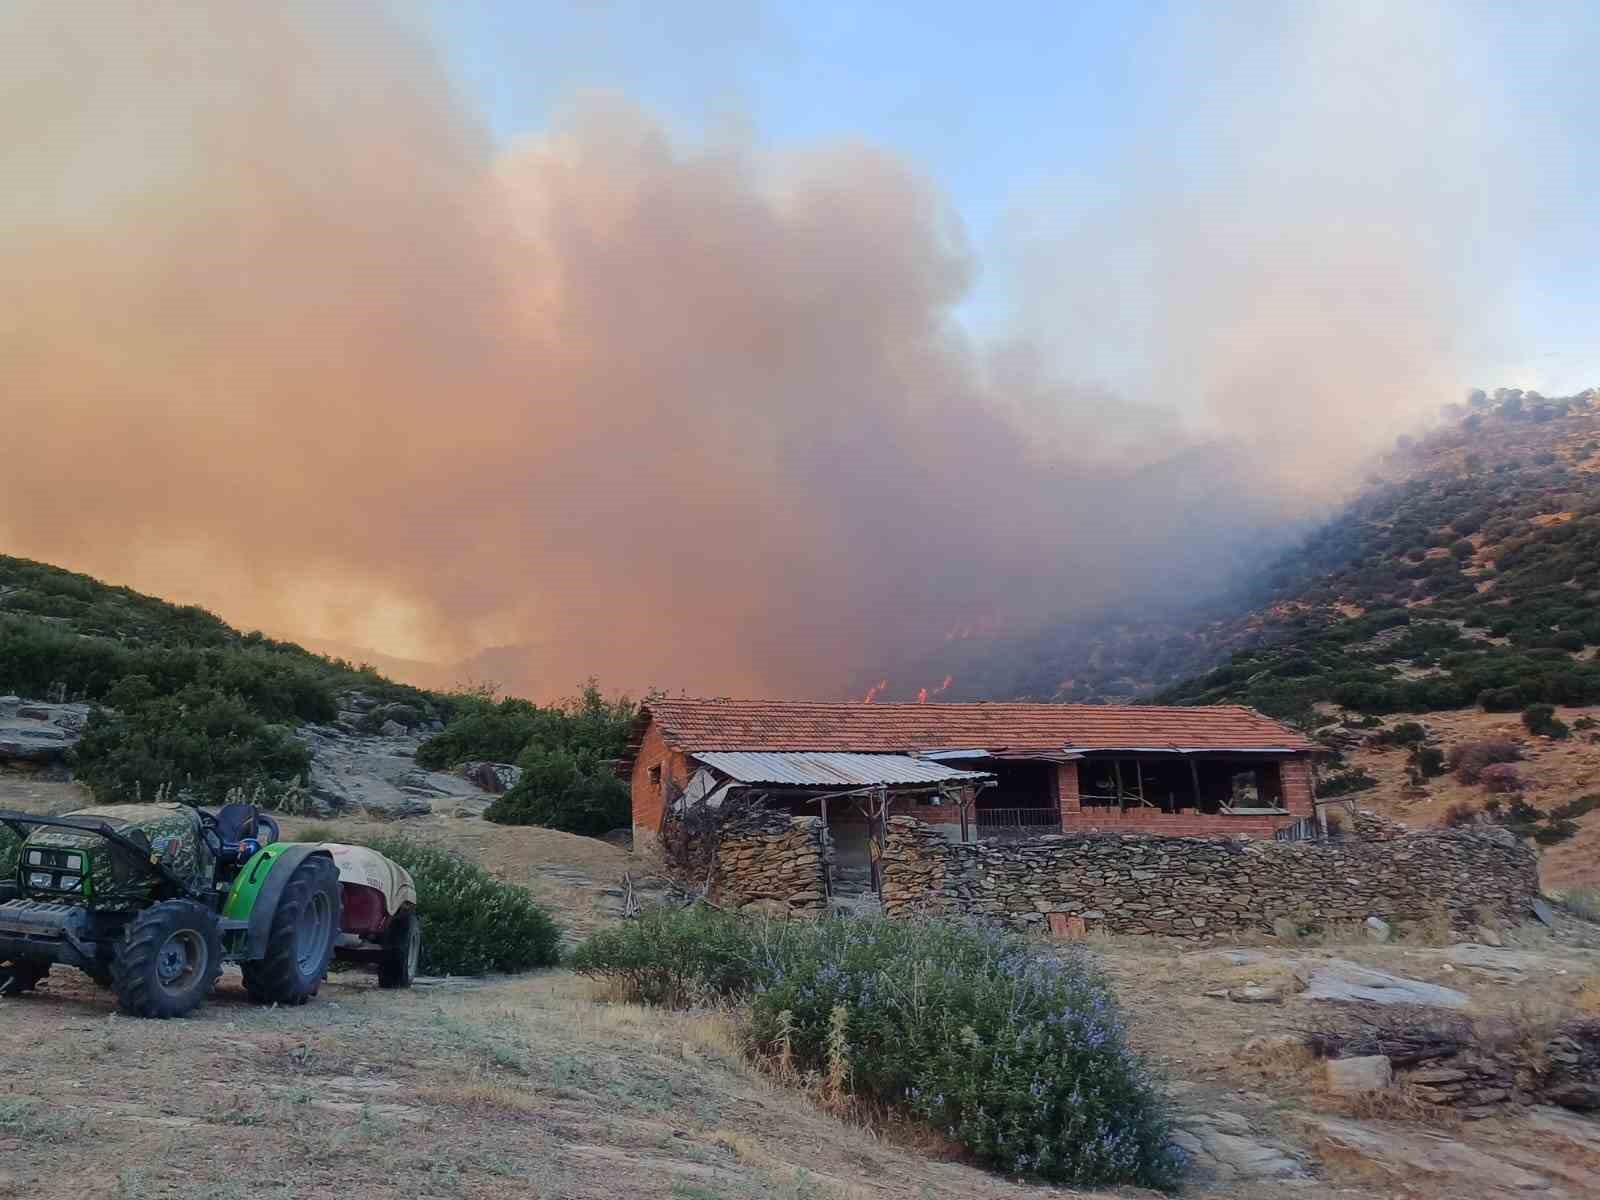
1020, 1056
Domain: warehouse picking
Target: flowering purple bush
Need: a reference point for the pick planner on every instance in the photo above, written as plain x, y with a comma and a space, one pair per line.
1019, 1054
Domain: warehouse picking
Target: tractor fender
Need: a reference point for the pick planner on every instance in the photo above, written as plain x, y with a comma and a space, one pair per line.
258, 888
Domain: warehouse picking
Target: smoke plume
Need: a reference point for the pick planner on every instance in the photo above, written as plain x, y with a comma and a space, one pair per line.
288, 336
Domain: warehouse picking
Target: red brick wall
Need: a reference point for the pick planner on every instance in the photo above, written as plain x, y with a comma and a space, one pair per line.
649, 798
1187, 823
1295, 775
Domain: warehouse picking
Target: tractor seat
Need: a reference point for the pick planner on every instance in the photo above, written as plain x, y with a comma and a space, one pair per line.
236, 822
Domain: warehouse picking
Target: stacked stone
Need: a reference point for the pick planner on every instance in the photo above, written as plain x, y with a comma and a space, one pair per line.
1375, 827
1196, 888
1477, 1086
918, 882
773, 862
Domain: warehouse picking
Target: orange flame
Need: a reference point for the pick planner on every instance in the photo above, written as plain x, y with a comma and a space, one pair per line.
922, 695
872, 692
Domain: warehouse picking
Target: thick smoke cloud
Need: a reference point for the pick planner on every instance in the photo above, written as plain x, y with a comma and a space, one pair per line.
285, 335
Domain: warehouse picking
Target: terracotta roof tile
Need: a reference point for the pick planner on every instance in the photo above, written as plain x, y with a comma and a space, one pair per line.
900, 728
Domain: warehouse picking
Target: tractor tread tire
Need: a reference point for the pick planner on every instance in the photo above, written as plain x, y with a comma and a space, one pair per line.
133, 970
276, 978
396, 969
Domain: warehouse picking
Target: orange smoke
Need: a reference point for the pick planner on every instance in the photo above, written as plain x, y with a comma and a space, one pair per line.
288, 336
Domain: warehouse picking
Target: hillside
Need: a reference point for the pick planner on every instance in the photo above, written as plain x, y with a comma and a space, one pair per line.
1467, 574
1466, 564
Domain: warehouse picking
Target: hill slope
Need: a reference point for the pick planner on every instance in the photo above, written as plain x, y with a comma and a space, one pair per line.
1470, 575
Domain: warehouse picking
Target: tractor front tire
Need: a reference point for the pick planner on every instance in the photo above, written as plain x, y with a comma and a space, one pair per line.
22, 975
305, 929
402, 950
168, 960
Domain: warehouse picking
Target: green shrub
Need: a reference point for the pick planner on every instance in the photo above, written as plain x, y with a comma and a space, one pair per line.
1345, 783
674, 956
473, 923
1019, 1055
482, 732
200, 739
1426, 762
561, 790
1405, 733
10, 844
569, 780
1541, 719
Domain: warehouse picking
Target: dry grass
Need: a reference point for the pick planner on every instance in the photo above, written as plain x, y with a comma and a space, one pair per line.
1398, 1102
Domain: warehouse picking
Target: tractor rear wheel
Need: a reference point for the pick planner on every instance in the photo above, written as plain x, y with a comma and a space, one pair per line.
300, 944
168, 961
402, 950
21, 975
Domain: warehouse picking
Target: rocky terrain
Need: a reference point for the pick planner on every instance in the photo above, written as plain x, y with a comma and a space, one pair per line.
362, 764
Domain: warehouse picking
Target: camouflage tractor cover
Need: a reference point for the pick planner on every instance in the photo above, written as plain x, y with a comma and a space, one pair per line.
173, 836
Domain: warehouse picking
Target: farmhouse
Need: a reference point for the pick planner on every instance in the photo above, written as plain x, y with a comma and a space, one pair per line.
975, 772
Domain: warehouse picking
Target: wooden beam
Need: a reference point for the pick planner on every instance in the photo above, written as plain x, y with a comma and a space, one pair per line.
1122, 798
1194, 774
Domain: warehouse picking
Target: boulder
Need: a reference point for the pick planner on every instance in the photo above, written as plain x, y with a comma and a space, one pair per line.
1377, 929
495, 778
1357, 1076
30, 742
401, 714
392, 729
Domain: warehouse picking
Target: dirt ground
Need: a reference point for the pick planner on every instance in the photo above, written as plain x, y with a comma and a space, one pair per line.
536, 1086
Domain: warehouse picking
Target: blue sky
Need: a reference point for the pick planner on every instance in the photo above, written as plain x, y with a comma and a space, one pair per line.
1010, 105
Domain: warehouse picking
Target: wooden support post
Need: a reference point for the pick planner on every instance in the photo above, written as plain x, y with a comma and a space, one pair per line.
827, 852
1138, 771
1122, 797
1194, 774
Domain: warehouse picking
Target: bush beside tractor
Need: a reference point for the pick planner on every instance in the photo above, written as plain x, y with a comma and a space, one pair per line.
153, 900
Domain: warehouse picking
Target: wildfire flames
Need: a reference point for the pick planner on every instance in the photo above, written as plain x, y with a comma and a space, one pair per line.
874, 692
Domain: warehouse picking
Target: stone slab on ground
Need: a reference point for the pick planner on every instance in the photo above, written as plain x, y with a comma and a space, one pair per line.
1358, 1076
1224, 1146
1398, 1152
1338, 979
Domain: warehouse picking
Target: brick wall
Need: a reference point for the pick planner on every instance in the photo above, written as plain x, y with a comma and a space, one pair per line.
1201, 887
649, 793
1294, 780
1067, 793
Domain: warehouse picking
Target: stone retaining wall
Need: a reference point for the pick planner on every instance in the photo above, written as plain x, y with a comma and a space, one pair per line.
1198, 887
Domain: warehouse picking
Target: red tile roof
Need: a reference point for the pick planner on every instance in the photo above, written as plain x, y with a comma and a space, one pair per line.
692, 725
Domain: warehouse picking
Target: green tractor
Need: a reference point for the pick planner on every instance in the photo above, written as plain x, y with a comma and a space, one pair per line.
151, 900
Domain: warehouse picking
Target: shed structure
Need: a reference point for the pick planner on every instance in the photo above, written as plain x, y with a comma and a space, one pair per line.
979, 771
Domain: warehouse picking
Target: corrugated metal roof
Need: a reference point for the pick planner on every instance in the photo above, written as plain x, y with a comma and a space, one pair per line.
828, 768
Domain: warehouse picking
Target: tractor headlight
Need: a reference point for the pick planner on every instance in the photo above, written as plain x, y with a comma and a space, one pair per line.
35, 858
40, 879
69, 883
74, 862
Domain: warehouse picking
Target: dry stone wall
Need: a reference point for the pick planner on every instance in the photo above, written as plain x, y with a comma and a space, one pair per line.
1198, 887
772, 861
